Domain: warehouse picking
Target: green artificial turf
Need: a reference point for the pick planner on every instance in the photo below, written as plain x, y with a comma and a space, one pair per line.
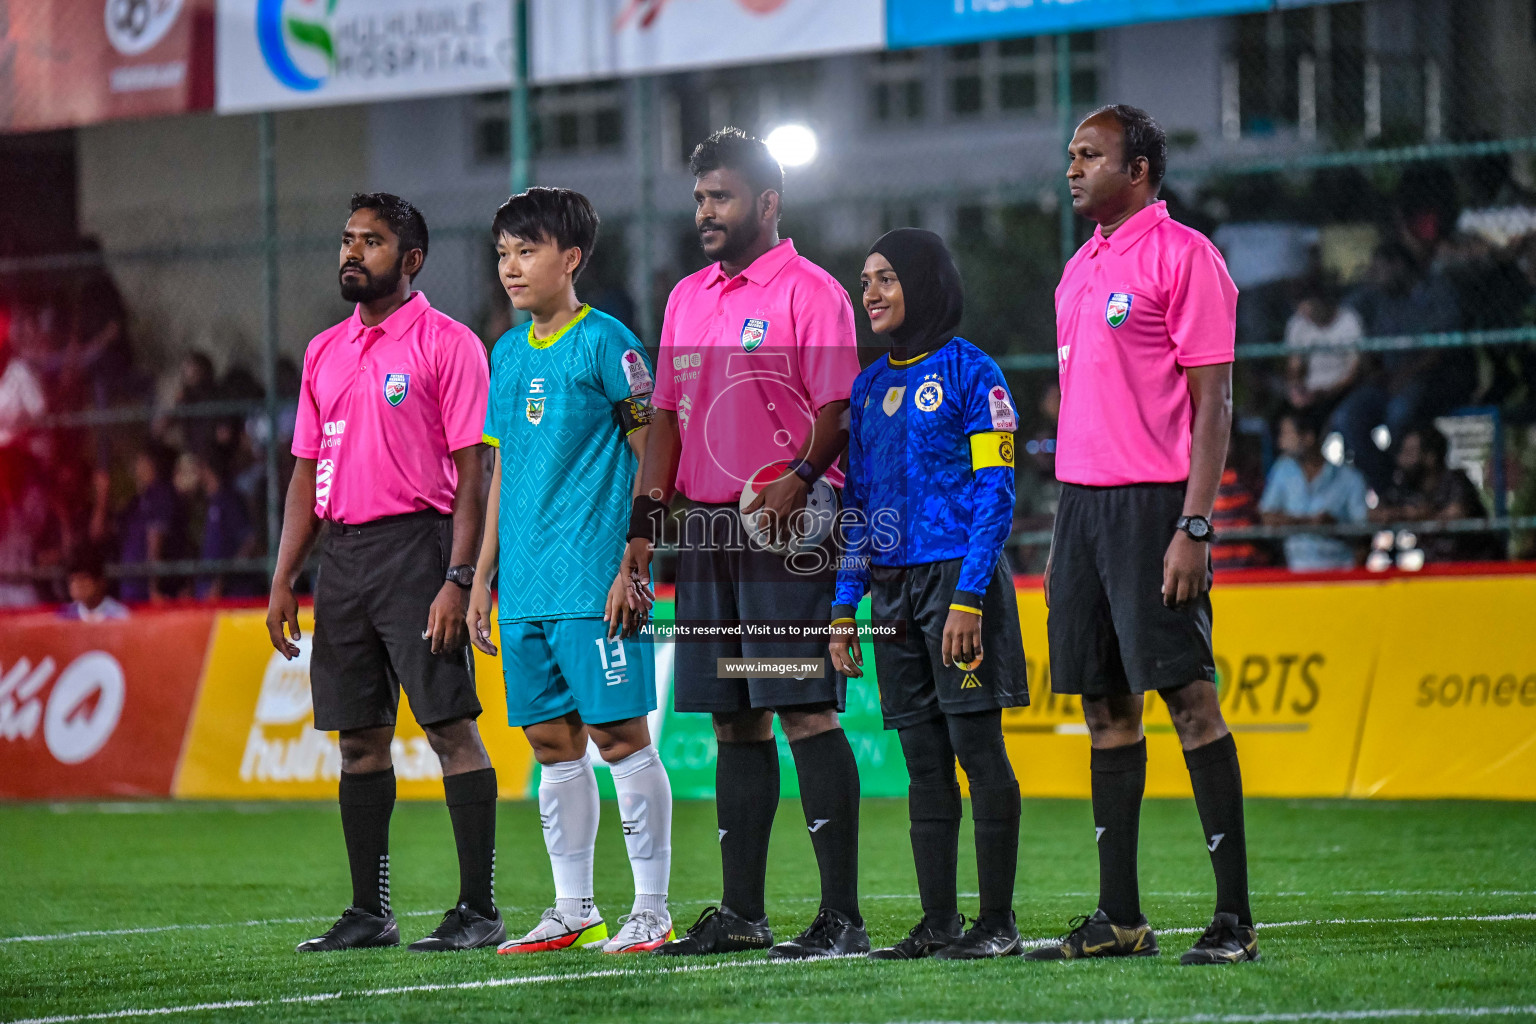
1373, 908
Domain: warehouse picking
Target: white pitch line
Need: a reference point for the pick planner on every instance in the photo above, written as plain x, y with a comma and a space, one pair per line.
1267, 925
195, 927
323, 997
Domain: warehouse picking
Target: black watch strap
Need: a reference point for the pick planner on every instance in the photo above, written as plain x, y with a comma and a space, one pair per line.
463, 575
804, 470
1197, 528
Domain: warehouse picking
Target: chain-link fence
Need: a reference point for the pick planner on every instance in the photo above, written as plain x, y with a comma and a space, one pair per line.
1365, 167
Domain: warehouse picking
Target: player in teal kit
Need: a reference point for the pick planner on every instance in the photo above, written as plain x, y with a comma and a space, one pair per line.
569, 405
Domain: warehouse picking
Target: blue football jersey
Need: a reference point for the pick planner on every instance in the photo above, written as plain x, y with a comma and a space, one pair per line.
930, 467
559, 410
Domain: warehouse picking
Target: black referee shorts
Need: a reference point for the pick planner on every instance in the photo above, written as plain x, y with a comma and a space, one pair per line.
722, 581
1108, 628
376, 584
915, 684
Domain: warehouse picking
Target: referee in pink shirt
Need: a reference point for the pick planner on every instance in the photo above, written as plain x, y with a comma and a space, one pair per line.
388, 448
758, 357
1145, 322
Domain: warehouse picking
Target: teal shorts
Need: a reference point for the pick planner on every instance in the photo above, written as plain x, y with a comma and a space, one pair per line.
555, 666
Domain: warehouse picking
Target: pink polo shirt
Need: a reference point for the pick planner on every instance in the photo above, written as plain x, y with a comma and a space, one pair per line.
746, 362
1132, 312
383, 408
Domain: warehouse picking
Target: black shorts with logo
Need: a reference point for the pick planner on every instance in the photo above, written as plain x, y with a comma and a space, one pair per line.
915, 684
376, 584
722, 581
1108, 628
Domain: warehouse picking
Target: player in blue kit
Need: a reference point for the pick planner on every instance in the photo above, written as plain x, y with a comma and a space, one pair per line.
569, 405
927, 507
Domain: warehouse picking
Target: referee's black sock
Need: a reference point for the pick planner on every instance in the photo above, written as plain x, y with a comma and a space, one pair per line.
1119, 780
746, 798
367, 799
1218, 785
472, 807
829, 794
995, 813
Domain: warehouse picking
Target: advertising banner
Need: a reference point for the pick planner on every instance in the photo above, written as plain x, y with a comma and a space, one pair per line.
96, 709
1453, 705
74, 62
1293, 666
933, 22
576, 39
274, 54
253, 734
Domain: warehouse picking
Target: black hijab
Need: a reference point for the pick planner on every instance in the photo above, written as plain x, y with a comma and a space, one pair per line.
930, 288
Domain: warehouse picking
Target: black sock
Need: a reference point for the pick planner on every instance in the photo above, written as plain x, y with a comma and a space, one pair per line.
977, 738
935, 813
472, 807
995, 812
933, 805
746, 797
367, 799
1119, 780
829, 794
1218, 784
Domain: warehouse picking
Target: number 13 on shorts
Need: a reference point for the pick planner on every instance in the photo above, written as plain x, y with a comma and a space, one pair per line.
615, 659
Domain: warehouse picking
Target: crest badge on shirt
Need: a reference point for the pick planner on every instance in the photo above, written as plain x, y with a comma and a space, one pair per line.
1117, 308
1000, 406
893, 399
395, 387
930, 395
753, 332
535, 410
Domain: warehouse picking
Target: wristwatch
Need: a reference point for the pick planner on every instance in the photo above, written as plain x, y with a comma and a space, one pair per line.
803, 469
1197, 527
463, 575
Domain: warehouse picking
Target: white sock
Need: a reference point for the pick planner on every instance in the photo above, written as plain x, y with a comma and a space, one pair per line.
568, 809
645, 807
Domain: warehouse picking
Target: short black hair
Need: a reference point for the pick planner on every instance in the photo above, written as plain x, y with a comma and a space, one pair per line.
556, 215
1308, 420
1143, 136
403, 219
734, 149
1432, 440
88, 560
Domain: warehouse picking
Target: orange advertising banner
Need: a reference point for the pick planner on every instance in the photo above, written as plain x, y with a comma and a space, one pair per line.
93, 709
253, 734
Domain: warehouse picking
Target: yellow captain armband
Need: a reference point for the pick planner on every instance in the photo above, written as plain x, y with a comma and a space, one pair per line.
488, 439
991, 448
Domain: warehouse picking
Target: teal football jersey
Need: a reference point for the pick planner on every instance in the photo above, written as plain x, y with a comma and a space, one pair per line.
559, 411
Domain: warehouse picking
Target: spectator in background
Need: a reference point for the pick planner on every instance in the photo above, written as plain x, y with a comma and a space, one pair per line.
1323, 367
227, 530
23, 518
195, 382
88, 597
1306, 489
1398, 298
1424, 488
1236, 507
22, 402
153, 526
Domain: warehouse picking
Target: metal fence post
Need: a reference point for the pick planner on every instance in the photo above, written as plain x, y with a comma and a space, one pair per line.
1064, 127
267, 161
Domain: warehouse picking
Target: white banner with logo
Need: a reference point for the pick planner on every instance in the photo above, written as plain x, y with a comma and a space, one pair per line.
274, 54
577, 39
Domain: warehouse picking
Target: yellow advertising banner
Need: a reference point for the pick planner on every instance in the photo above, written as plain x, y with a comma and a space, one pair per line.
252, 734
1453, 706
1293, 665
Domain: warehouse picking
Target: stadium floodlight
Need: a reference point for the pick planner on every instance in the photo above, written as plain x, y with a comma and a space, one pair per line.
792, 145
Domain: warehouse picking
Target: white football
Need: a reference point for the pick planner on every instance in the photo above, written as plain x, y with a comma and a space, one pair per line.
810, 527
